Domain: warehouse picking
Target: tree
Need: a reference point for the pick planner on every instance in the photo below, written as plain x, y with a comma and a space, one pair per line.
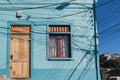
112, 63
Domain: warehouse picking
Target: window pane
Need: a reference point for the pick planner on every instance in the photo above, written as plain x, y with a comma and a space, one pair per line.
64, 46
53, 46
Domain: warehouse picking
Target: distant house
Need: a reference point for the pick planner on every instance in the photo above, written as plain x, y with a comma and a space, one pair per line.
110, 66
114, 78
115, 56
114, 75
48, 40
107, 55
110, 74
110, 56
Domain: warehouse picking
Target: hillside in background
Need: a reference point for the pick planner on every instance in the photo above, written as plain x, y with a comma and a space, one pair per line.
110, 61
109, 66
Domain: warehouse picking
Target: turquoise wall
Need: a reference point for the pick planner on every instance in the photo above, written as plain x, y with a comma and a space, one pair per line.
78, 14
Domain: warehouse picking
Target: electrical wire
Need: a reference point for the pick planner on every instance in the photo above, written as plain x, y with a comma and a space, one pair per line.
110, 1
115, 12
56, 4
72, 14
60, 16
111, 10
110, 28
14, 8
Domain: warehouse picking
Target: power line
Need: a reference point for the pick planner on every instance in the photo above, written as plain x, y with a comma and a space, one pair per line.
110, 28
12, 9
111, 15
110, 32
104, 3
9, 2
53, 5
59, 16
111, 10
70, 14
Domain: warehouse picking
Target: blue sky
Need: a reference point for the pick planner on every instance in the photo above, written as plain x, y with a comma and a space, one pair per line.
108, 18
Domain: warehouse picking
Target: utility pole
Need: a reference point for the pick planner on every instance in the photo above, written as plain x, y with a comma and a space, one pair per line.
95, 39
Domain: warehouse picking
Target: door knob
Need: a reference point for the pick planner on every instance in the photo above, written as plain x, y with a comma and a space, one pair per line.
10, 67
11, 57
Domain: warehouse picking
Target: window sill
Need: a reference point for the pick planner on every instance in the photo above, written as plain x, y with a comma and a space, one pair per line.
59, 59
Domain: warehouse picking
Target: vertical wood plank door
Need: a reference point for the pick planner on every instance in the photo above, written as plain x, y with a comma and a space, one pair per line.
19, 53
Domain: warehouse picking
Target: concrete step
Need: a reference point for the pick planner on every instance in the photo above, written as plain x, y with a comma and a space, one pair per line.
3, 77
18, 79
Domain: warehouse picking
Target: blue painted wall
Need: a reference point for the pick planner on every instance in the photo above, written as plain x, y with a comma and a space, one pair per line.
78, 14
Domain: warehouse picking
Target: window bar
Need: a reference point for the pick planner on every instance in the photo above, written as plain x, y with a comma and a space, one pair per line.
51, 29
50, 45
64, 43
60, 29
68, 46
59, 52
68, 43
55, 29
55, 45
65, 49
65, 29
61, 48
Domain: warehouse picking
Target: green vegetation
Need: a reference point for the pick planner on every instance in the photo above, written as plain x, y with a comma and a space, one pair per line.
111, 63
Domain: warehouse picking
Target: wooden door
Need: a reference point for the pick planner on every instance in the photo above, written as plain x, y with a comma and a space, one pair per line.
19, 55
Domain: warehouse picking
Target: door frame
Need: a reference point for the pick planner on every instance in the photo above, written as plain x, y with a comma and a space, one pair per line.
21, 23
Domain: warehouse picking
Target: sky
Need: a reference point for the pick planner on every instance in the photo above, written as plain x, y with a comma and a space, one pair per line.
108, 19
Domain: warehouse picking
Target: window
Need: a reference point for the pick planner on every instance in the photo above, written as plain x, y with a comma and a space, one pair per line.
113, 77
59, 41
